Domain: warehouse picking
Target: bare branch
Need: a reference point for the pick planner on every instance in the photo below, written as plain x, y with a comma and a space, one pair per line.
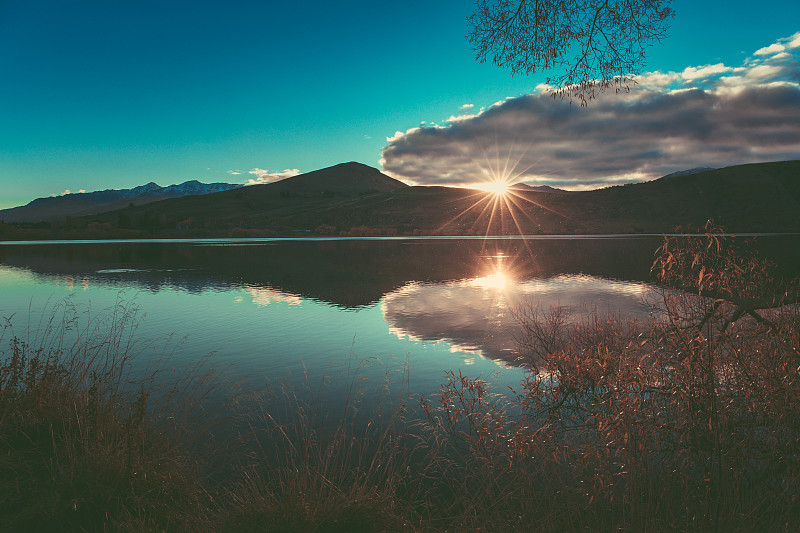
597, 44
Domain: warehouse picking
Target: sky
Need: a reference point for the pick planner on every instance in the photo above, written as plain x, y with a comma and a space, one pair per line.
97, 95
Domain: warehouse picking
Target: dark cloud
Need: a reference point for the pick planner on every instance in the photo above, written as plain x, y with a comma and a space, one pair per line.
709, 116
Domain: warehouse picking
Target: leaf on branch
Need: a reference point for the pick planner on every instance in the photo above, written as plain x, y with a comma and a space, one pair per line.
591, 45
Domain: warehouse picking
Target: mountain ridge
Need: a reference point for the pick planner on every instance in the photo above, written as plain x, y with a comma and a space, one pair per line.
84, 203
351, 199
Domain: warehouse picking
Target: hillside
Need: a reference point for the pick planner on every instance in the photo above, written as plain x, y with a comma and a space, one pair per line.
353, 199
754, 197
344, 179
56, 208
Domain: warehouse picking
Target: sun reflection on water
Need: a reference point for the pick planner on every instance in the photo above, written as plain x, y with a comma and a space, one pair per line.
498, 274
497, 281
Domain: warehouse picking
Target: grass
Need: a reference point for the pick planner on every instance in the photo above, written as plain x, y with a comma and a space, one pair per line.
84, 446
688, 422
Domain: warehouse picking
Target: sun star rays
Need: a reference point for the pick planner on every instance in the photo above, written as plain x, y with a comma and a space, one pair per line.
500, 207
498, 203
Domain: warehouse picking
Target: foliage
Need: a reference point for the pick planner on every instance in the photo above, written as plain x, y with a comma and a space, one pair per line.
90, 444
322, 461
689, 421
598, 43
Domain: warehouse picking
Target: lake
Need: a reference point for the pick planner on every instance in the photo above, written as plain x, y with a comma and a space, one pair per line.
270, 309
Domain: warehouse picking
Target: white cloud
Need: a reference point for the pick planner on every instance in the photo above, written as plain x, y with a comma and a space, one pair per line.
234, 172
761, 72
694, 73
66, 192
265, 176
454, 118
658, 80
771, 49
466, 106
397, 135
708, 115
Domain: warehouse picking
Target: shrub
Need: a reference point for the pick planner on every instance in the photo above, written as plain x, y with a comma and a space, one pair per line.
690, 420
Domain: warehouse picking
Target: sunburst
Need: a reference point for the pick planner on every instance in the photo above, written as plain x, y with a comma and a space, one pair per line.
498, 206
498, 187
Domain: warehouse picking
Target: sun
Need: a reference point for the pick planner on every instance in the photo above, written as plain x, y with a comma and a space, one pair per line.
497, 188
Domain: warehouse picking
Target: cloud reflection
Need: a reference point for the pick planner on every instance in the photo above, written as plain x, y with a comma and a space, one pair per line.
264, 296
477, 315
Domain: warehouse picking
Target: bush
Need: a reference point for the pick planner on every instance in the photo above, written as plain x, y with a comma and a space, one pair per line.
688, 421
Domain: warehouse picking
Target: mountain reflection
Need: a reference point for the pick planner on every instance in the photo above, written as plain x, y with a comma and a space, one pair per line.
461, 291
345, 273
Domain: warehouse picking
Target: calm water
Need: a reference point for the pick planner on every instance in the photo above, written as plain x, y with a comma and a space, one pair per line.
269, 309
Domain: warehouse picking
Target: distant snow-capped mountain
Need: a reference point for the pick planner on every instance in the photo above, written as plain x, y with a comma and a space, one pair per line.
186, 188
89, 203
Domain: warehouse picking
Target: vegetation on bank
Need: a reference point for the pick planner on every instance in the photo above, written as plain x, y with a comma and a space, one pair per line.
81, 230
690, 421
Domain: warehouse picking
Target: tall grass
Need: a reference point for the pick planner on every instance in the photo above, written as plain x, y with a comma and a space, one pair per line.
89, 440
321, 462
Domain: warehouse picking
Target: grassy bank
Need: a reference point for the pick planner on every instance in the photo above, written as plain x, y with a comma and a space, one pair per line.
687, 422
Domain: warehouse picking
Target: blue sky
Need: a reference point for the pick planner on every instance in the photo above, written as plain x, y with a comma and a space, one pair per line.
99, 94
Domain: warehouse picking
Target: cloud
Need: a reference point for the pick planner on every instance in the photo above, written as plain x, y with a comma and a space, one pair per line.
466, 106
693, 73
709, 115
66, 192
265, 176
234, 172
771, 49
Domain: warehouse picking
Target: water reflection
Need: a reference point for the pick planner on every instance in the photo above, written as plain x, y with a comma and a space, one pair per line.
459, 292
479, 314
264, 296
347, 274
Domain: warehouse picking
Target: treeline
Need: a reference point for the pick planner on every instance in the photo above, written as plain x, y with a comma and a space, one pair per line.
164, 226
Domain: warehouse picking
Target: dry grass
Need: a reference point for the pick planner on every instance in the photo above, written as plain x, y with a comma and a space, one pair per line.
91, 442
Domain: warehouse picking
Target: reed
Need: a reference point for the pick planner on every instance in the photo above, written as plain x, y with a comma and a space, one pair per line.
89, 440
321, 460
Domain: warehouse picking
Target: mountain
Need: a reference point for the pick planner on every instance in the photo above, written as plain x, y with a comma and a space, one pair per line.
537, 188
687, 172
344, 179
56, 208
356, 200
